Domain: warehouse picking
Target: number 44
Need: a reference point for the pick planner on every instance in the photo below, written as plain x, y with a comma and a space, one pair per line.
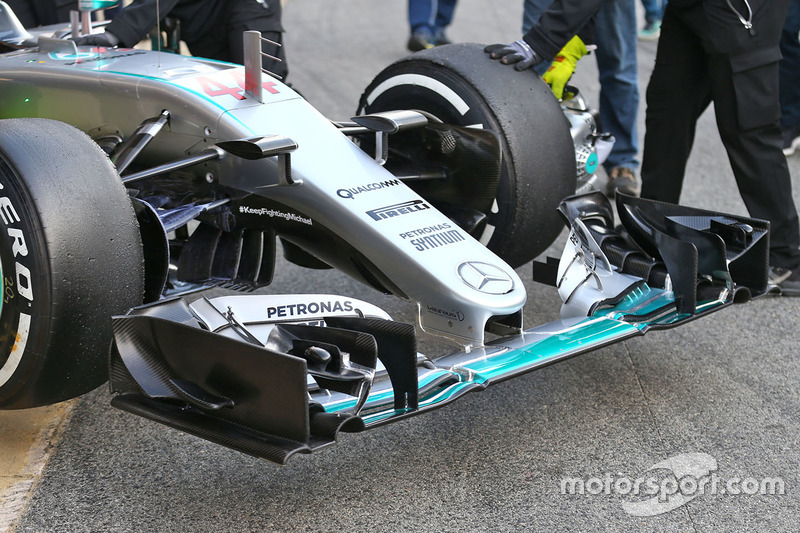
233, 86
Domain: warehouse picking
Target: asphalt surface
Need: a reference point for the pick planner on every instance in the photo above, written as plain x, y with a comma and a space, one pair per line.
725, 386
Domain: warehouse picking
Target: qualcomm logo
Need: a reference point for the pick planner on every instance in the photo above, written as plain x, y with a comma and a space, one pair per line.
485, 278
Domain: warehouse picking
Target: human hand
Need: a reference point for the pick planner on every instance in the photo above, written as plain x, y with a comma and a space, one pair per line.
105, 38
519, 53
564, 65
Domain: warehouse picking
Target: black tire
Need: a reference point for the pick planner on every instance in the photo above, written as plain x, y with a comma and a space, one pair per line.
71, 257
538, 152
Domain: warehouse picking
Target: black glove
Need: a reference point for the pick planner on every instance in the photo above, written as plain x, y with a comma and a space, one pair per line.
107, 39
519, 53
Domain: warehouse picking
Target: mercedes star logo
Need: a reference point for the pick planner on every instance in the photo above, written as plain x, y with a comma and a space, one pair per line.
485, 278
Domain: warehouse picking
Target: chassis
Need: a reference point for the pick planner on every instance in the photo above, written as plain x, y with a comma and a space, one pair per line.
191, 171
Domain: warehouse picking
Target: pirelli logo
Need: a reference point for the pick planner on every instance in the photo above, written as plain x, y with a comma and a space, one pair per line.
396, 210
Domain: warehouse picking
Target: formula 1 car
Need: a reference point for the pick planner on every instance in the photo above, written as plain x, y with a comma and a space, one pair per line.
126, 174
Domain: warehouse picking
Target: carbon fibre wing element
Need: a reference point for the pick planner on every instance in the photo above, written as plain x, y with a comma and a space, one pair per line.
276, 375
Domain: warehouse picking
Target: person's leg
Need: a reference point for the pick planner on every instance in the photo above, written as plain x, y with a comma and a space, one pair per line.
652, 10
747, 110
677, 94
754, 150
59, 12
240, 16
615, 33
790, 79
761, 172
531, 11
246, 15
202, 35
421, 14
653, 13
444, 16
422, 21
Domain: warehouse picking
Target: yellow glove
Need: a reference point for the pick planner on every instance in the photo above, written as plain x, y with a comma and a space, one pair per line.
563, 65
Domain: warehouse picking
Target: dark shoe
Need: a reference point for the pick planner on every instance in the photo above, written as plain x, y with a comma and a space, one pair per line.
624, 180
791, 140
785, 280
651, 31
441, 38
420, 40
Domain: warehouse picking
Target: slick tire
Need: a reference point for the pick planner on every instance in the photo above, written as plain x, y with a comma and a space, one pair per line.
71, 257
460, 85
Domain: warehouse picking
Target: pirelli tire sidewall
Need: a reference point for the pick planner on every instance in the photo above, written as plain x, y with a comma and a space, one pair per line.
24, 317
460, 85
71, 258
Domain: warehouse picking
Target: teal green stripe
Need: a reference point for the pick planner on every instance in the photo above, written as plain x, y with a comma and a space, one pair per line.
381, 399
599, 330
591, 332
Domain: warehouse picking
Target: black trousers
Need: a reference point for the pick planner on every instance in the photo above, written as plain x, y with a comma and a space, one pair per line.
240, 16
705, 54
32, 13
210, 28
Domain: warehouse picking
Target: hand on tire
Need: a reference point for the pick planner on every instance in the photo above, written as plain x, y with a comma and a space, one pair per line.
519, 53
564, 65
105, 38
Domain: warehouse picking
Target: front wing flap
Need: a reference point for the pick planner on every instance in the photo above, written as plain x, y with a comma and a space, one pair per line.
272, 376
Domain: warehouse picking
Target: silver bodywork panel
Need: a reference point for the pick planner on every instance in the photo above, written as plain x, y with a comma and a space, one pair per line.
109, 91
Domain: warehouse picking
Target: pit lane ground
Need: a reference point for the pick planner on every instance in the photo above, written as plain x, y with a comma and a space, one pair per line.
725, 386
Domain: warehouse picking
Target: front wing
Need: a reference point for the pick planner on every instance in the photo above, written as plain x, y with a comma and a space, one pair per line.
272, 376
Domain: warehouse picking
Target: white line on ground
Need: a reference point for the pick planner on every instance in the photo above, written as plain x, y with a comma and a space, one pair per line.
15, 497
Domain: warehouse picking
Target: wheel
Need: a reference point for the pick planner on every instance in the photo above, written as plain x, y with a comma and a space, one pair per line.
70, 258
459, 85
